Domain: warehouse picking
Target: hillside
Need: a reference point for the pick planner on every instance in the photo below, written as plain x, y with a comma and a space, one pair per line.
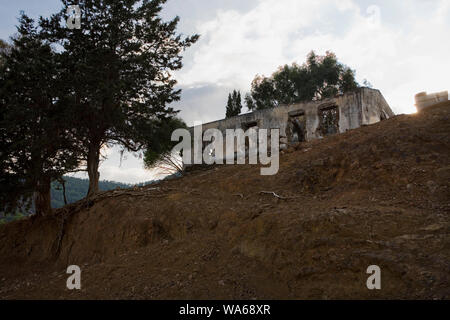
77, 188
377, 195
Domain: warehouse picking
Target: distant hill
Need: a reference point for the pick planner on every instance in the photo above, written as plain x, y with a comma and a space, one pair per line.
77, 188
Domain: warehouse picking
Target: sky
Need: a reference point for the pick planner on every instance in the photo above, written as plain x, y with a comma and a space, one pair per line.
401, 47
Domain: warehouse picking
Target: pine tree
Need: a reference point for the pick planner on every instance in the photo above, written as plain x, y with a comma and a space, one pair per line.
229, 108
159, 153
234, 104
4, 49
120, 66
37, 147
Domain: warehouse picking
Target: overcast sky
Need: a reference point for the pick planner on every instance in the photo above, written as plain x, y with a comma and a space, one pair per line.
400, 46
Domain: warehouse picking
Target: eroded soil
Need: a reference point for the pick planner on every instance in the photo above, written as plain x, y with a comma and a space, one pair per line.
378, 195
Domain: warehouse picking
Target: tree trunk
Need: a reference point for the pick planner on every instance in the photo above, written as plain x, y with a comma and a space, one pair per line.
42, 198
93, 161
63, 183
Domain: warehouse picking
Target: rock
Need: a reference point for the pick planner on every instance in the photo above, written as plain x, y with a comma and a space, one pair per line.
432, 186
213, 224
306, 271
407, 237
433, 227
341, 210
409, 186
300, 174
318, 162
235, 250
354, 165
443, 176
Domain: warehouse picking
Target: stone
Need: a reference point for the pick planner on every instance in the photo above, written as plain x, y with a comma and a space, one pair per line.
318, 162
236, 250
433, 227
432, 186
443, 176
189, 225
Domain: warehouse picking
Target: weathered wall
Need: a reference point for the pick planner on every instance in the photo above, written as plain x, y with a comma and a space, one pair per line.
374, 107
424, 100
361, 107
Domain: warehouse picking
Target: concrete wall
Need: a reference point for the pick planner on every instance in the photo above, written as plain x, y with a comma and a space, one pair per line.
361, 107
424, 100
374, 107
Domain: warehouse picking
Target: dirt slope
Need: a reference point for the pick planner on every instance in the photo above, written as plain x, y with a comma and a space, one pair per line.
376, 195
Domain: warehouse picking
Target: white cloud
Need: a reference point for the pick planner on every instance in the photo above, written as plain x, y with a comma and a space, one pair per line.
126, 175
401, 55
129, 169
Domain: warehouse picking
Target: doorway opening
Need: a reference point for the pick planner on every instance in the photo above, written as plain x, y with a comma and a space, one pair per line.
297, 127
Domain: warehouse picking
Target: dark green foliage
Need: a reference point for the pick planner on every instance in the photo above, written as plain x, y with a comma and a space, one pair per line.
36, 144
320, 77
4, 50
160, 147
108, 83
234, 104
120, 67
262, 95
3, 45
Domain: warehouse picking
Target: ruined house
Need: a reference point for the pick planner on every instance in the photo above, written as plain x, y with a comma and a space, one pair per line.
315, 119
424, 100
